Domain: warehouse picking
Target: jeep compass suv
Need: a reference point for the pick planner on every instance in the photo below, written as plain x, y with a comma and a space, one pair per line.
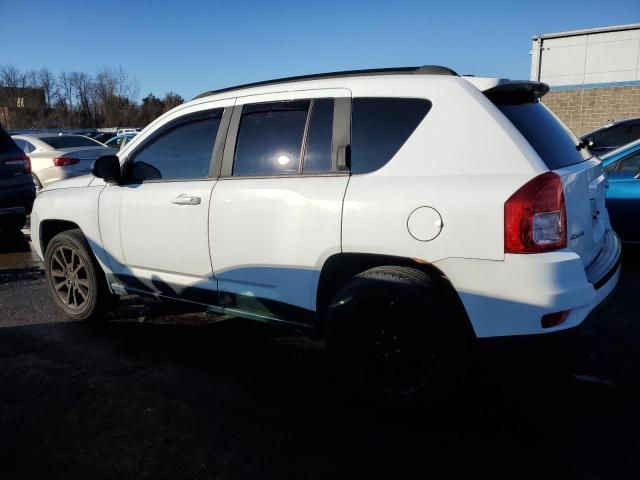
396, 213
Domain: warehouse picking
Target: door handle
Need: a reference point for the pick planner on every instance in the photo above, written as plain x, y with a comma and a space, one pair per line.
185, 199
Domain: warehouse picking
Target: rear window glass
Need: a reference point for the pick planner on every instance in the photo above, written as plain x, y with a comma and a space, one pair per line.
615, 136
551, 140
70, 141
380, 126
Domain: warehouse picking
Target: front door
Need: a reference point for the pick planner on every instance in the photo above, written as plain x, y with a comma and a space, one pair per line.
154, 225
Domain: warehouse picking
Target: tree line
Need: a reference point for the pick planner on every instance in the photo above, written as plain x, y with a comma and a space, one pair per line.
80, 100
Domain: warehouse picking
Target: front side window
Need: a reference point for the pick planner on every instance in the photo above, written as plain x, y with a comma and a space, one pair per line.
182, 152
380, 126
270, 138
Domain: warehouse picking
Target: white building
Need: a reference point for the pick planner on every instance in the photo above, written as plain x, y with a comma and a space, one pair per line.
585, 57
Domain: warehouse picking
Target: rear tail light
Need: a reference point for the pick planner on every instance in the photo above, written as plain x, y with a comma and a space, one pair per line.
535, 217
22, 160
64, 161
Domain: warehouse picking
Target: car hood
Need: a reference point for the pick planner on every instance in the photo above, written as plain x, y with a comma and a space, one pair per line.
75, 182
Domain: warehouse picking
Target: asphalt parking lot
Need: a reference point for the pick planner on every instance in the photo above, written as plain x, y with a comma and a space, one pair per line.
157, 392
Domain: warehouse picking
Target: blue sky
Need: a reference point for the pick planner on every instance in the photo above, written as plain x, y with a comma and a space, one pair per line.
188, 47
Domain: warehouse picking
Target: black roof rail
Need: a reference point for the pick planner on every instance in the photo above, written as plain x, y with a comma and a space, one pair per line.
424, 70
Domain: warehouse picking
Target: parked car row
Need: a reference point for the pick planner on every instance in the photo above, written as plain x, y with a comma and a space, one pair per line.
336, 203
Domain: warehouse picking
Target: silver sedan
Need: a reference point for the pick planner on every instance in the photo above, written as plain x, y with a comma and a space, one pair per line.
57, 157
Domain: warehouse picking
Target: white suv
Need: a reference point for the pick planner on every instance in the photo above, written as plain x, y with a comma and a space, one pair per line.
396, 213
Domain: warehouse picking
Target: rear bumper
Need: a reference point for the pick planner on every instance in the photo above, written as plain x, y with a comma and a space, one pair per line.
510, 297
54, 174
16, 199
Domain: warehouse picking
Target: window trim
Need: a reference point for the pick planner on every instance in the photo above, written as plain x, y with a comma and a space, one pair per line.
341, 136
216, 154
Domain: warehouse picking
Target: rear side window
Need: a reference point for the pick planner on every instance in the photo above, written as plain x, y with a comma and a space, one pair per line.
380, 126
70, 141
182, 152
551, 140
270, 138
21, 144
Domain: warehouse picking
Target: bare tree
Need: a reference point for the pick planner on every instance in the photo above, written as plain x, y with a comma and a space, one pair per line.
12, 77
76, 99
67, 90
46, 80
172, 100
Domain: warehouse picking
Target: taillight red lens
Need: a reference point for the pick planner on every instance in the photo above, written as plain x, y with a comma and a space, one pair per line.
20, 160
64, 161
535, 217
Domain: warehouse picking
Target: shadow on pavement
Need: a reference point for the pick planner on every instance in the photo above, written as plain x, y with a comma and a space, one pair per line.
235, 399
145, 395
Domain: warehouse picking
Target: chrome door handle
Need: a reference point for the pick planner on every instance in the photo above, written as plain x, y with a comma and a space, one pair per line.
185, 199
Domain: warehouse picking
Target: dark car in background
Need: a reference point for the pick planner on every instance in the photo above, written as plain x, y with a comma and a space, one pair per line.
612, 135
17, 190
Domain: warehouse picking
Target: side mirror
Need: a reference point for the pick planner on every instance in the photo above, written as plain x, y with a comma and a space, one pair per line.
107, 167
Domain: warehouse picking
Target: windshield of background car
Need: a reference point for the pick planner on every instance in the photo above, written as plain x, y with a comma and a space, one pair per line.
70, 141
552, 141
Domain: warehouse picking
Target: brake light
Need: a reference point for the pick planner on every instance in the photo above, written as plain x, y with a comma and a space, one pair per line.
535, 217
22, 159
64, 161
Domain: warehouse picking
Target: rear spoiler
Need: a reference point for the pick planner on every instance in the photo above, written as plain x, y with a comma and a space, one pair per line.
515, 93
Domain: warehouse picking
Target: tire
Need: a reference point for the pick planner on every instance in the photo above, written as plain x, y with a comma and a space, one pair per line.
75, 280
397, 335
37, 183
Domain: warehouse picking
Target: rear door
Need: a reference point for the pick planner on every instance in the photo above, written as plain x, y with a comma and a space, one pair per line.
583, 177
276, 210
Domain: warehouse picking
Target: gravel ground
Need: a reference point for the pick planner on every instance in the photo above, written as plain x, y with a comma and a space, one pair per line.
158, 392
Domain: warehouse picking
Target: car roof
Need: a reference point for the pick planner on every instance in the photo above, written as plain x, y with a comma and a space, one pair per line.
47, 135
423, 70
